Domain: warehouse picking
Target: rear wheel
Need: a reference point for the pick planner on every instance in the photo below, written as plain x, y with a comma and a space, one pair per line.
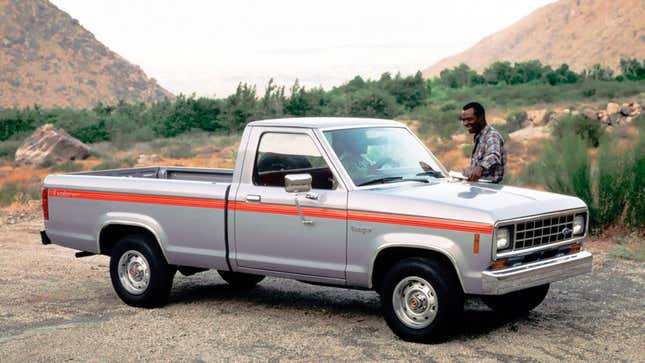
139, 272
421, 299
240, 280
517, 302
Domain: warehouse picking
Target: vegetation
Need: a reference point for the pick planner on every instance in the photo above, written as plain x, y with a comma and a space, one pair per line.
611, 187
433, 102
607, 183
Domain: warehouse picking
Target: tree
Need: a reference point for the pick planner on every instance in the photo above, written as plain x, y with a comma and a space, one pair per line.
410, 91
498, 72
460, 76
598, 72
632, 69
372, 102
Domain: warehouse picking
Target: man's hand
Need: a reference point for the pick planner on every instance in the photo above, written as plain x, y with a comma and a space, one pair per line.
476, 174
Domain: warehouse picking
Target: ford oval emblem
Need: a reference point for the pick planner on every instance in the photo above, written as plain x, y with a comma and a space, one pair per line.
566, 231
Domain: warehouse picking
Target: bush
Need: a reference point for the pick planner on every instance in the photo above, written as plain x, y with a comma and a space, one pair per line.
19, 192
588, 130
179, 151
8, 149
564, 167
614, 193
66, 167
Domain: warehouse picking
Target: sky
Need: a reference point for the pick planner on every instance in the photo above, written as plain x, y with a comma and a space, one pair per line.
207, 47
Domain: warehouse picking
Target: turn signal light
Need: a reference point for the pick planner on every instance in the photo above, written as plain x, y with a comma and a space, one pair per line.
499, 264
575, 248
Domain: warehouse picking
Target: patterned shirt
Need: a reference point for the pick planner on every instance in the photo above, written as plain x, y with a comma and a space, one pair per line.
490, 154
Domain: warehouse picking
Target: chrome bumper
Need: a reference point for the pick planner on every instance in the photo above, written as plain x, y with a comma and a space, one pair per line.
536, 273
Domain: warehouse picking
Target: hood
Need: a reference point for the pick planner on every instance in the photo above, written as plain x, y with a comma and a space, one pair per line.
481, 202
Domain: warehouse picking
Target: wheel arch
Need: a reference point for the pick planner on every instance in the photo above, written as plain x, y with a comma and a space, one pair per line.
387, 255
113, 229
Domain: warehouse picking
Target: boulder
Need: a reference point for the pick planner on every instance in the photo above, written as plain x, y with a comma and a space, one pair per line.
613, 108
50, 144
590, 114
536, 117
148, 158
625, 110
528, 133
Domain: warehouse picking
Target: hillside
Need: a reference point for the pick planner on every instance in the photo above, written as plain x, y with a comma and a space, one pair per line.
48, 58
577, 32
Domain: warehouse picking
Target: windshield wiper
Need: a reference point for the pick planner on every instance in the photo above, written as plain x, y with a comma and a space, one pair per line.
388, 179
434, 173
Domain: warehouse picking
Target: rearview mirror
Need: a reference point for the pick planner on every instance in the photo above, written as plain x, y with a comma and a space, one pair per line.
297, 183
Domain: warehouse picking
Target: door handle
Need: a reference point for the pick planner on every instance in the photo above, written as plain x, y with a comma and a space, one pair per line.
312, 195
253, 198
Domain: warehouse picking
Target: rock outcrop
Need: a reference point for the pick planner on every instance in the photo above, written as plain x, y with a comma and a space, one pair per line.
50, 144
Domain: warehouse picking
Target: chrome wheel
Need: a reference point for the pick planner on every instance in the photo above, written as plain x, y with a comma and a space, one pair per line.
134, 272
415, 302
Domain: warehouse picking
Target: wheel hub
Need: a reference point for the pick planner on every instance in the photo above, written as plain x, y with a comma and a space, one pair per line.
415, 302
134, 272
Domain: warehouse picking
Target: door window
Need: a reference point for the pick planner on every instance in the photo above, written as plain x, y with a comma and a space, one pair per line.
280, 154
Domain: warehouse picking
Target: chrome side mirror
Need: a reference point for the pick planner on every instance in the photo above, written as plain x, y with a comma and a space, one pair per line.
297, 183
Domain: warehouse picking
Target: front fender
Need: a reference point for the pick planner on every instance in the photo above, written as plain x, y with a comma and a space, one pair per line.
443, 245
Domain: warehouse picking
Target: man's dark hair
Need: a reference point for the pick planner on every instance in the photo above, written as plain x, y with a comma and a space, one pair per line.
477, 107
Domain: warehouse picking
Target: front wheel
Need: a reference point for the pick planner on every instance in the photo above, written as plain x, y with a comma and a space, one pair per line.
517, 302
421, 299
139, 272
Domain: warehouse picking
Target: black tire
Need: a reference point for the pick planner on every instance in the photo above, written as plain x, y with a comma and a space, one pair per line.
517, 302
447, 291
157, 289
241, 280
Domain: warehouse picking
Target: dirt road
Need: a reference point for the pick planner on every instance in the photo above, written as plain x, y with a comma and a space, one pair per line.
54, 307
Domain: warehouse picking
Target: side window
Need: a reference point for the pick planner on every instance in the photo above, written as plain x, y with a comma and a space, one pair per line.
280, 154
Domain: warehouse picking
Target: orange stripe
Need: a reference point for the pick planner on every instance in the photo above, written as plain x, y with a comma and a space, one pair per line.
426, 222
398, 219
365, 217
138, 198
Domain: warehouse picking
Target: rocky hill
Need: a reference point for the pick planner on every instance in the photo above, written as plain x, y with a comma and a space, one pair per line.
577, 32
48, 58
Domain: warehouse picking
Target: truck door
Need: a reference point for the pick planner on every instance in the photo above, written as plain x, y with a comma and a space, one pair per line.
270, 231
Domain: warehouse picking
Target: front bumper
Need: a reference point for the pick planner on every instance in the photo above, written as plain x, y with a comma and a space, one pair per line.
536, 273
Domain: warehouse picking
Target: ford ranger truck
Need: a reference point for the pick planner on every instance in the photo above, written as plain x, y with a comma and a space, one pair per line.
353, 203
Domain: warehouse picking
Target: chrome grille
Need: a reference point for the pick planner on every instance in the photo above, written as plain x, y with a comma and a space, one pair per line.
542, 231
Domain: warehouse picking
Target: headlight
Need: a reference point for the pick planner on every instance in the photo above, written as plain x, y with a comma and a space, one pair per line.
578, 225
502, 239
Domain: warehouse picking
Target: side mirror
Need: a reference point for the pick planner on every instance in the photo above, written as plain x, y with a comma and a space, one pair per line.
297, 183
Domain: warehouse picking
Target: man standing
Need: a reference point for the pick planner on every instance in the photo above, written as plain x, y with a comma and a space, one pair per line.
489, 155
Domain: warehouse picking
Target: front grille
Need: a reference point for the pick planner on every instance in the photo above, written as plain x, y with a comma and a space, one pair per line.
542, 231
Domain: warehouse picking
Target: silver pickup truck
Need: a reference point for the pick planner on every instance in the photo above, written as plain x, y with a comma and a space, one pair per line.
354, 203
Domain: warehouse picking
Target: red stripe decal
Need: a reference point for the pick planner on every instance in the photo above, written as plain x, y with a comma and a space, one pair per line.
426, 222
360, 216
398, 219
138, 198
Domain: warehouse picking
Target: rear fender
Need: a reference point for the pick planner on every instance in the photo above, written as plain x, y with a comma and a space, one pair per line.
133, 219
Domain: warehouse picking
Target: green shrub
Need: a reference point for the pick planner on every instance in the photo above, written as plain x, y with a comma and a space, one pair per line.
19, 192
8, 149
564, 166
179, 151
107, 165
588, 130
66, 167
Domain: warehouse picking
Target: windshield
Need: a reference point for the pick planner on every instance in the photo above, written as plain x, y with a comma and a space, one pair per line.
383, 155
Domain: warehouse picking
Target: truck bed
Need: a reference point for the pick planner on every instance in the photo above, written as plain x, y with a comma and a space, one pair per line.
168, 172
183, 207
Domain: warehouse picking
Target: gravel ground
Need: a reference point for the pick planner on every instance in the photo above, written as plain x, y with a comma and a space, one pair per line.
54, 307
